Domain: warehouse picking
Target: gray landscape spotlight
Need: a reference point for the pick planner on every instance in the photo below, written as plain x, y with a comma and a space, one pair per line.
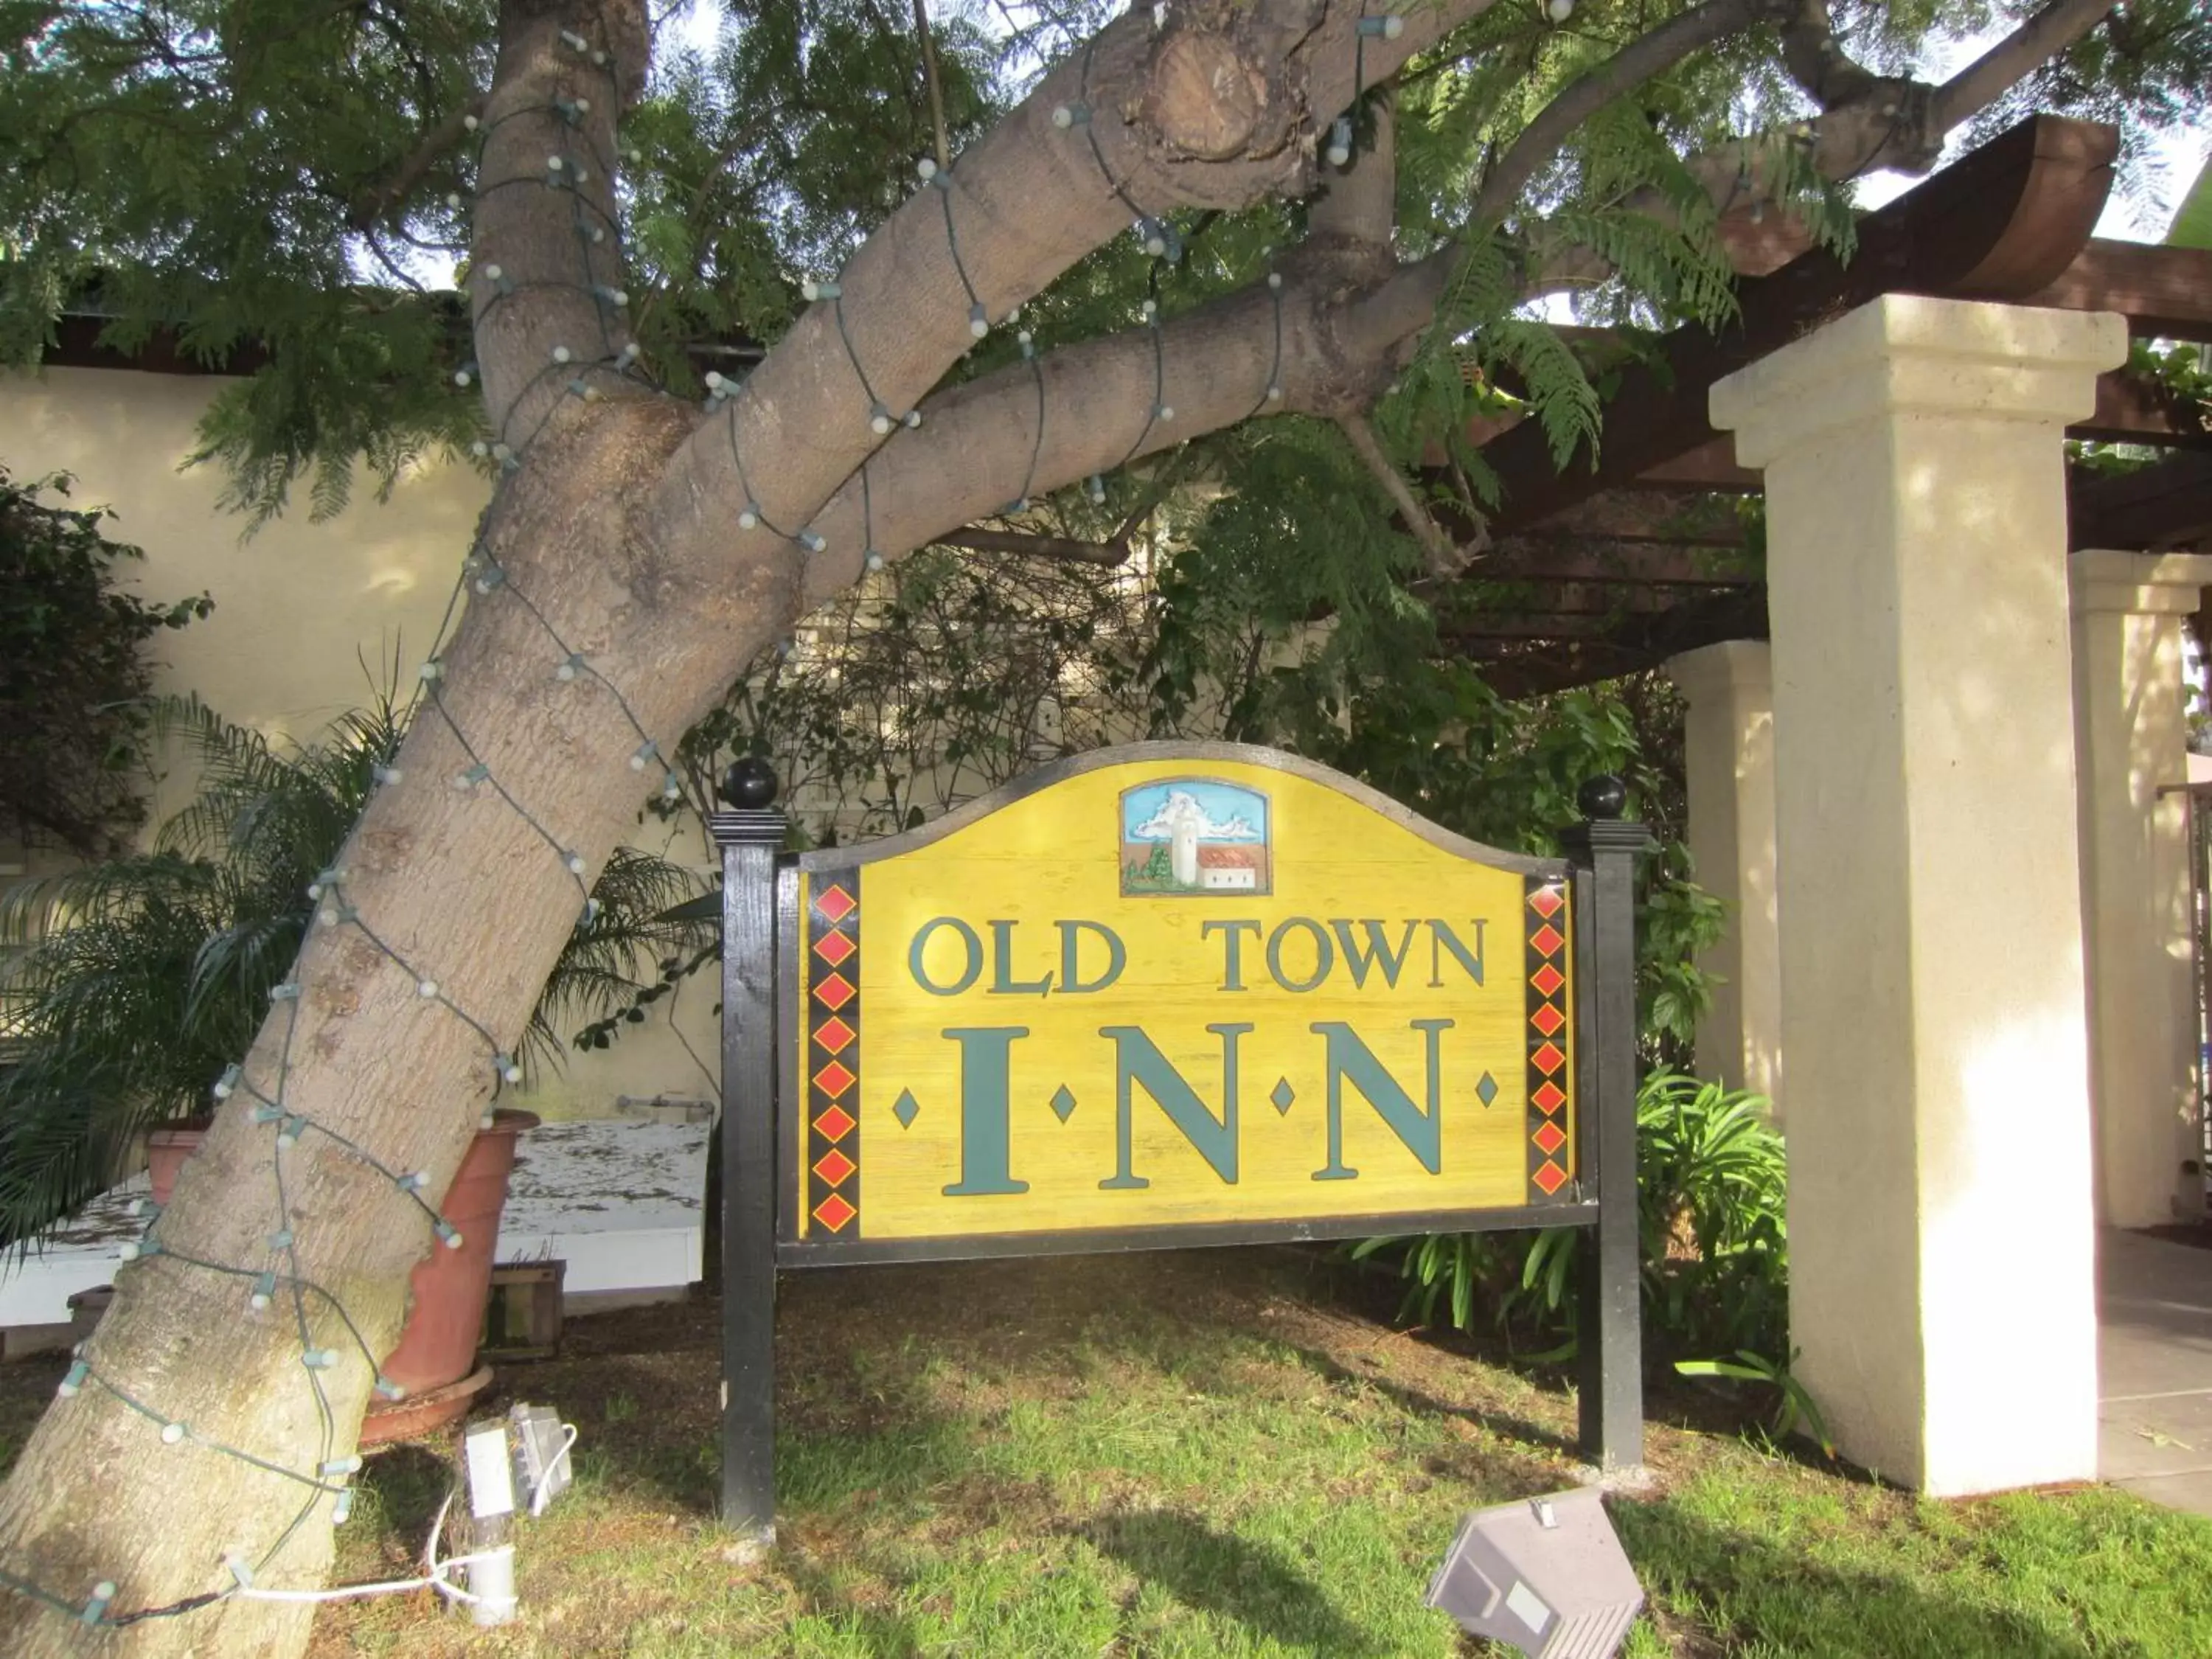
1547, 1574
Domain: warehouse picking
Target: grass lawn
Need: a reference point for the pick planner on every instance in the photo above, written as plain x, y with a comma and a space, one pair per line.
1213, 1453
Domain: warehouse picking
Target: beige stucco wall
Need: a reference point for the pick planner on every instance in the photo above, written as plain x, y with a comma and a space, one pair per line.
300, 607
1942, 1245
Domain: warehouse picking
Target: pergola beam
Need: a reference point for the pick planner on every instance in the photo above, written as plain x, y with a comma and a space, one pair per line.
2165, 292
2004, 222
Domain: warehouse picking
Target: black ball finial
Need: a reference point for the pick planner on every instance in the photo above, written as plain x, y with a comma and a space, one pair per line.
1604, 796
748, 785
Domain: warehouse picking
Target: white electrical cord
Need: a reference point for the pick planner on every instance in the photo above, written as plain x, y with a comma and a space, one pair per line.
545, 1476
435, 1577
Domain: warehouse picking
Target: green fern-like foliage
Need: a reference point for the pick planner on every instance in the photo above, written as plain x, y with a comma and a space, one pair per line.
148, 974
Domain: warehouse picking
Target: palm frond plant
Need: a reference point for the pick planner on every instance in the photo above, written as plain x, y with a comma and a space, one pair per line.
1711, 1199
147, 975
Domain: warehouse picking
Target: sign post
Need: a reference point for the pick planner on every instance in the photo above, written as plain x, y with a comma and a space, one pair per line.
1610, 1382
748, 834
1165, 995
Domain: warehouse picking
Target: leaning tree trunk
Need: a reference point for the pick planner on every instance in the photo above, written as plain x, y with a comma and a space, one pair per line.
636, 556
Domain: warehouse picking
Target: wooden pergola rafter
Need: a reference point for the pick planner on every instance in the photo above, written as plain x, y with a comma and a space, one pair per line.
2010, 222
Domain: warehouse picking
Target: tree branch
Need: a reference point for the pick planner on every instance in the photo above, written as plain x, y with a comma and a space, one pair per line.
1038, 546
2009, 62
1216, 109
543, 287
1443, 557
1816, 62
1360, 205
372, 203
1647, 55
936, 87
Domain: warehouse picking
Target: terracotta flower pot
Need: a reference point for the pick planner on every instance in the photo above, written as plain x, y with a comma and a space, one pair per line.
446, 1315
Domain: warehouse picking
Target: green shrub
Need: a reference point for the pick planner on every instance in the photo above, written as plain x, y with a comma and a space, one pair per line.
74, 674
1711, 1191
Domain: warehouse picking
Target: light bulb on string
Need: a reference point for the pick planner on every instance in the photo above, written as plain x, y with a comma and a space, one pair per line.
1338, 153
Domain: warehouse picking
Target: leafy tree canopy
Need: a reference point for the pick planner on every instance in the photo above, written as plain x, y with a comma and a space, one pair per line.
283, 183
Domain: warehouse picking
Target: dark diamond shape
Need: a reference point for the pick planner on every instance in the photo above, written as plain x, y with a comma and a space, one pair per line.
1282, 1095
1486, 1090
1063, 1102
906, 1109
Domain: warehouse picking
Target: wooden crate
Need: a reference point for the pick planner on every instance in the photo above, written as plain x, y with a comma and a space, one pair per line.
522, 1314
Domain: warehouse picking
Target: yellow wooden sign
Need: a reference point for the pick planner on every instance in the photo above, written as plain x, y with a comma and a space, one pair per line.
1172, 987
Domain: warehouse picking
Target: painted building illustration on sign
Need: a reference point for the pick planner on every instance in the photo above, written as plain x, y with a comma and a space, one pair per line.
1195, 835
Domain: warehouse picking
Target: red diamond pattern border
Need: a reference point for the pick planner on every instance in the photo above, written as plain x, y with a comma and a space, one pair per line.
1551, 1027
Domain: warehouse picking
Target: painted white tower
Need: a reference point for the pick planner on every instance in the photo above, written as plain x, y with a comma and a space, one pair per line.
1183, 849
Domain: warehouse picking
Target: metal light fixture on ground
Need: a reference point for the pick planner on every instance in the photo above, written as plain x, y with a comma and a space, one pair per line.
1546, 1575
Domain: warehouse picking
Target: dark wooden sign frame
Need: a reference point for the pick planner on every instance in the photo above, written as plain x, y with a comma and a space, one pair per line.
762, 1036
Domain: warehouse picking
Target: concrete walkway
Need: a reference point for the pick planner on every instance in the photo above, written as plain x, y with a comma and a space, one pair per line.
2154, 1354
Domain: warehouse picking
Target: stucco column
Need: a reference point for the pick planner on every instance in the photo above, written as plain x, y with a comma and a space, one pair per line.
2132, 734
1933, 1009
1727, 745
